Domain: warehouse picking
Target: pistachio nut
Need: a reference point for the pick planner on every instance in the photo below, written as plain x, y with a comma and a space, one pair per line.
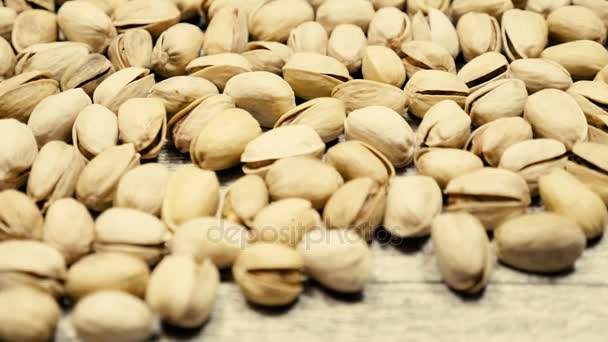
494, 8
20, 218
554, 114
582, 58
112, 315
462, 251
487, 103
445, 164
267, 56
7, 19
563, 194
337, 258
122, 85
309, 36
382, 64
524, 34
107, 271
434, 25
358, 205
7, 59
570, 23
33, 26
592, 97
219, 68
425, 55
143, 122
444, 125
588, 163
143, 188
312, 75
155, 16
176, 48
88, 72
266, 103
223, 139
180, 91
332, 13
359, 94
244, 199
20, 94
533, 159
81, 21
55, 58
325, 115
98, 180
94, 131
18, 151
132, 48
545, 7
490, 140
492, 195
355, 159
274, 20
428, 87
227, 32
483, 69
539, 74
191, 193
69, 228
414, 6
389, 27
597, 6
478, 33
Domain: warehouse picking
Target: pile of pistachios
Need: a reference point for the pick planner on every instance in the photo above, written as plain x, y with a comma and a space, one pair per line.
480, 123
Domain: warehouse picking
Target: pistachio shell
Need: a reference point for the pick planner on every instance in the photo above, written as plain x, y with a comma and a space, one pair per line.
539, 74
32, 27
132, 48
244, 199
210, 8
427, 87
7, 19
487, 103
56, 57
478, 33
176, 47
143, 188
312, 75
274, 20
88, 72
592, 97
583, 58
389, 27
143, 122
570, 23
7, 59
18, 151
155, 17
267, 56
444, 125
492, 7
347, 44
434, 25
356, 159
588, 163
19, 216
425, 55
358, 94
483, 69
382, 64
332, 13
84, 22
491, 140
123, 85
94, 131
545, 7
445, 164
524, 34
325, 115
413, 6
227, 32
180, 91
20, 94
309, 36
219, 68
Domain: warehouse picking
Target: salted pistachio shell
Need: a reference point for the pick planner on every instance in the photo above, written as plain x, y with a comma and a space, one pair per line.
267, 56
143, 188
88, 72
554, 114
382, 64
358, 94
266, 103
425, 55
332, 13
462, 251
123, 85
155, 16
588, 163
269, 274
492, 195
176, 48
180, 91
524, 34
533, 159
107, 271
434, 25
478, 33
94, 131
274, 20
81, 21
219, 68
244, 199
563, 194
309, 36
223, 139
347, 45
191, 193
55, 58
444, 125
445, 164
7, 19
19, 216
487, 103
325, 115
356, 159
338, 259
592, 97
490, 141
97, 182
414, 6
545, 7
7, 59
312, 75
32, 27
539, 74
132, 48
492, 7
20, 94
389, 27
358, 205
18, 151
143, 122
582, 58
227, 32
483, 69
428, 87
570, 23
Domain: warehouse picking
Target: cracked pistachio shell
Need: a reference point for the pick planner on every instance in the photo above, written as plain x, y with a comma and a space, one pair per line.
592, 97
244, 199
303, 177
492, 7
563, 194
358, 94
176, 47
389, 27
7, 59
524, 34
219, 68
54, 173
122, 85
412, 203
358, 205
420, 55
55, 58
570, 23
309, 36
183, 291
81, 21
428, 87
269, 274
332, 13
444, 125
540, 242
582, 58
143, 122
18, 152
20, 218
589, 164
191, 193
112, 315
478, 33
414, 6
33, 315
382, 64
539, 74
533, 159
33, 26
285, 221
7, 19
338, 259
490, 141
223, 139
355, 159
187, 124
227, 32
88, 72
274, 20
155, 16
210, 238
445, 164
132, 48
53, 118
180, 91
267, 56
487, 103
599, 7
325, 115
545, 7
483, 69
436, 26
143, 188
598, 135
99, 178
312, 75
107, 271
347, 44
264, 95
462, 251
385, 130
554, 114
20, 94
69, 227
492, 195
94, 131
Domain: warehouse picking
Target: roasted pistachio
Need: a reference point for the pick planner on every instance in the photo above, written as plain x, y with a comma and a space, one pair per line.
382, 64
434, 25
33, 26
358, 94
491, 140
355, 159
274, 20
176, 48
88, 72
570, 23
312, 75
7, 19
483, 69
444, 125
267, 56
582, 58
445, 164
325, 115
428, 87
545, 7
592, 97
539, 74
227, 32
413, 6
143, 122
244, 199
425, 55
81, 21
492, 7
309, 36
180, 91
524, 34
155, 16
332, 13
219, 68
478, 33
7, 59
19, 216
55, 58
143, 188
588, 164
123, 85
389, 27
132, 48
17, 153
487, 103
94, 131
20, 94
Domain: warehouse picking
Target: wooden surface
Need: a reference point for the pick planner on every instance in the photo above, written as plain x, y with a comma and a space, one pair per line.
406, 301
